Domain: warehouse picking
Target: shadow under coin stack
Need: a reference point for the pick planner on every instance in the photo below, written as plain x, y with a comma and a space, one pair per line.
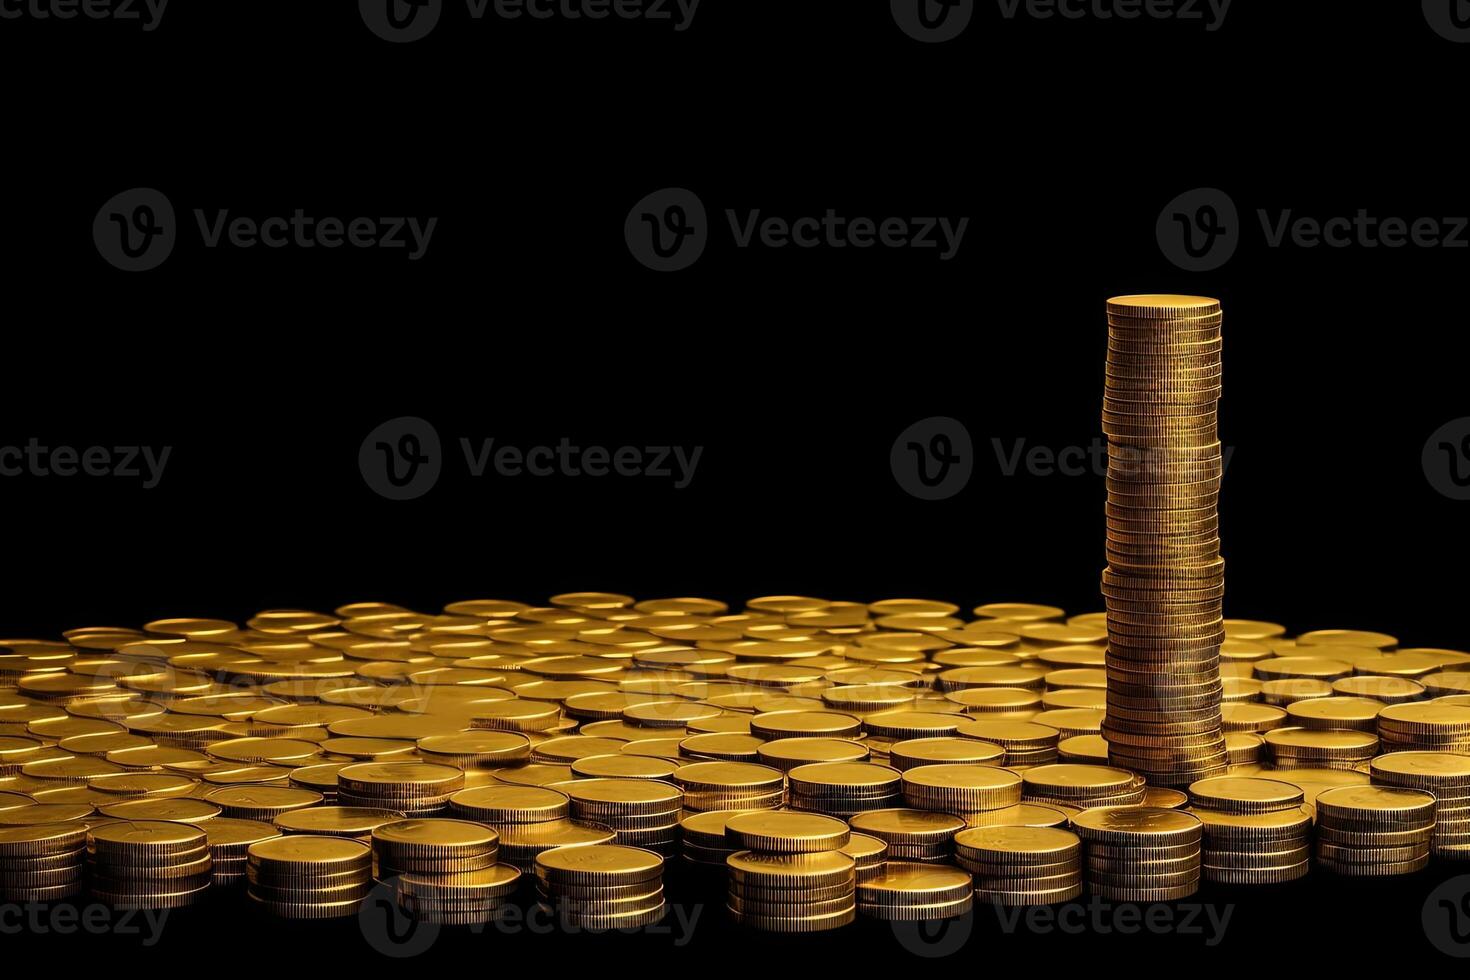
229, 845
1140, 854
149, 864
42, 862
1447, 776
844, 789
729, 786
1374, 831
910, 892
307, 877
416, 789
1256, 832
641, 812
601, 886
1018, 866
1165, 578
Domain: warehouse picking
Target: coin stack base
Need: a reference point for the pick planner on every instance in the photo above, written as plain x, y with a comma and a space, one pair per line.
1140, 854
149, 864
640, 812
792, 893
1374, 831
602, 886
303, 876
1447, 776
42, 862
1255, 830
844, 789
911, 892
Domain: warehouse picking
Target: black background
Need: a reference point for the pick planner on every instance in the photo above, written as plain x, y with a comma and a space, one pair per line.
529, 321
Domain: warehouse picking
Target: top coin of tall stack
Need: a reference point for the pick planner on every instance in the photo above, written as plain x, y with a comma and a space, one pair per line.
1165, 578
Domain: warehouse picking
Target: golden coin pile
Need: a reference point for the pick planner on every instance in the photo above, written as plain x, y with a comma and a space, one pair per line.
843, 789
529, 819
1025, 743
354, 822
1140, 854
148, 864
602, 886
42, 862
640, 812
968, 791
433, 847
1447, 776
1021, 865
1255, 830
1165, 578
948, 750
1374, 831
308, 877
1306, 748
458, 898
1441, 725
869, 853
703, 842
912, 892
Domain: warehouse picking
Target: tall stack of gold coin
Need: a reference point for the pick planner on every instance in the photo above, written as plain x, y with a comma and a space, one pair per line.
1447, 776
1374, 831
1256, 832
42, 862
1021, 865
149, 864
602, 886
1140, 854
641, 812
308, 877
1165, 578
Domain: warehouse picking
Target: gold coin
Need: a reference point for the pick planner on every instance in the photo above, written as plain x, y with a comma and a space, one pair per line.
1018, 845
786, 832
815, 870
598, 864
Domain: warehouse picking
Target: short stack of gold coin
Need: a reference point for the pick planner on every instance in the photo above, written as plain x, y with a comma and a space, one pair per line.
42, 862
149, 864
729, 786
912, 892
433, 847
804, 892
786, 834
602, 886
417, 789
1021, 865
1140, 854
703, 843
262, 803
353, 822
229, 846
1431, 726
842, 789
965, 790
641, 812
1025, 742
786, 754
951, 750
924, 836
1297, 748
1256, 832
1082, 786
868, 852
308, 877
476, 750
1374, 831
459, 898
1447, 776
